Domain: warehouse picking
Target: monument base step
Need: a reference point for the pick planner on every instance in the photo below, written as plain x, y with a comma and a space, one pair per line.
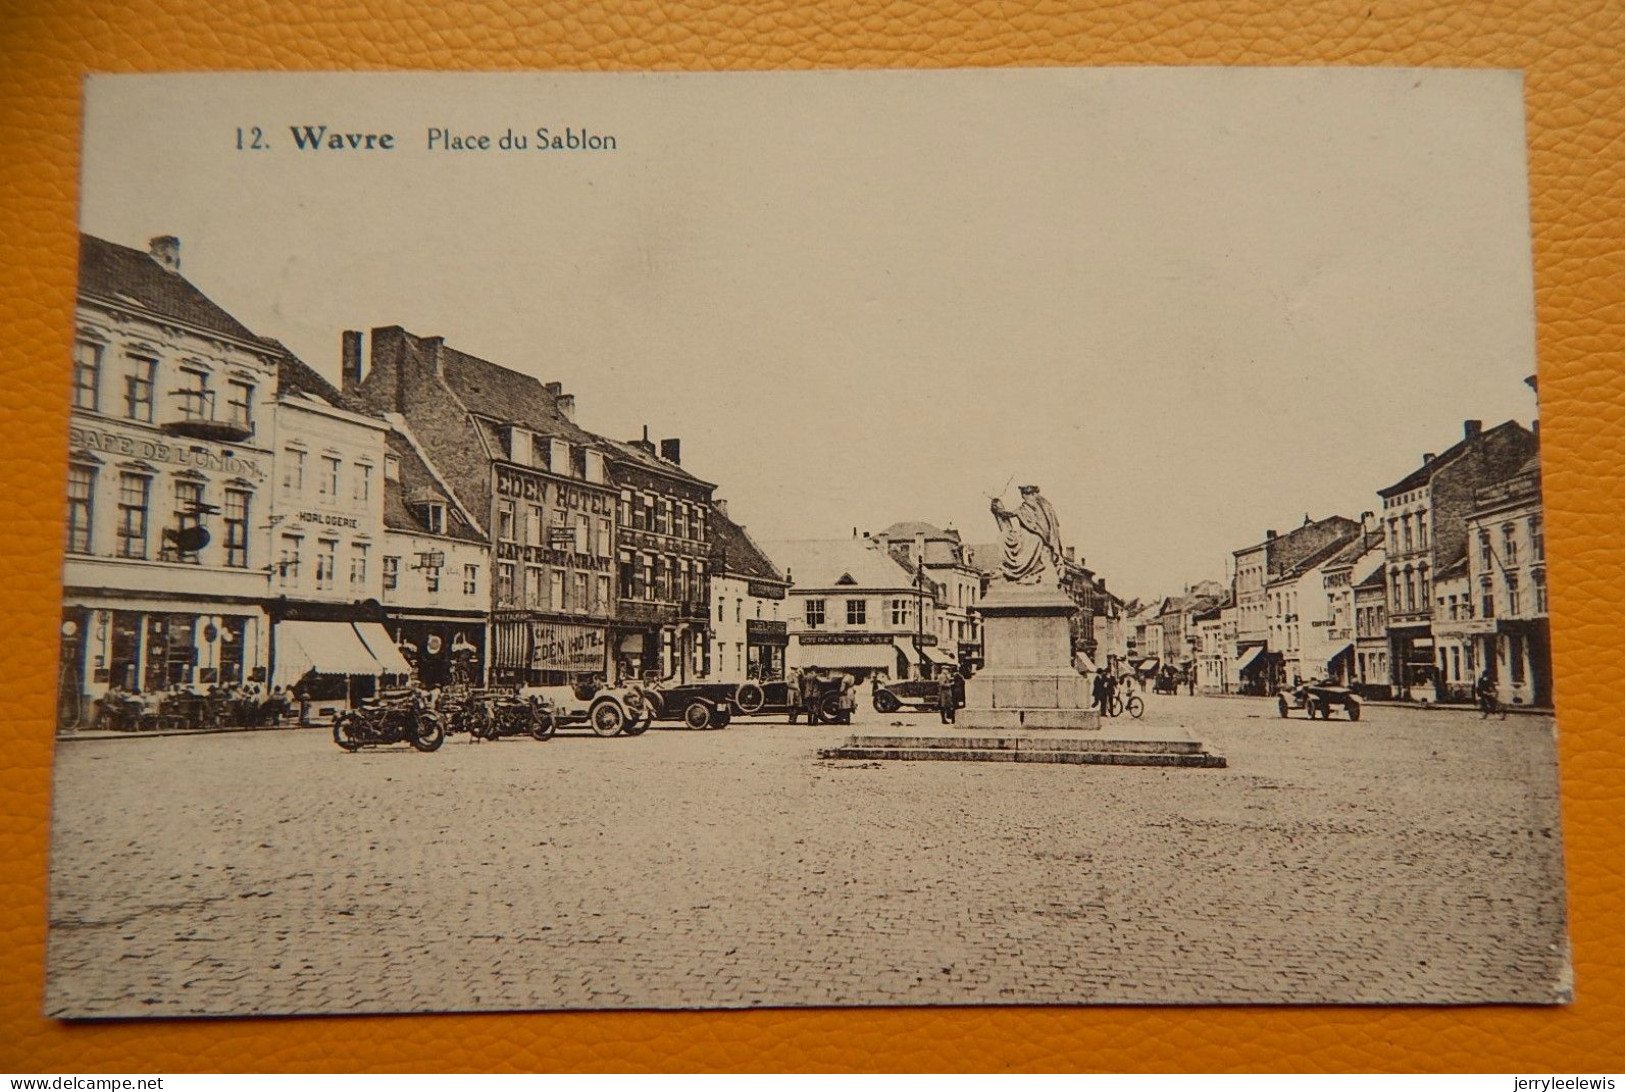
1010, 747
1049, 719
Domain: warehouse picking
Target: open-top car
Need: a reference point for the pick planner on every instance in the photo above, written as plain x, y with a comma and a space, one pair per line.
607, 710
713, 704
1319, 699
914, 694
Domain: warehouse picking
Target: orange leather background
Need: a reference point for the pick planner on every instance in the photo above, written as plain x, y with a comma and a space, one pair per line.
1570, 51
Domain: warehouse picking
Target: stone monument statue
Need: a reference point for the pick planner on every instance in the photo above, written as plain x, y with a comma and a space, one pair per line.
1031, 538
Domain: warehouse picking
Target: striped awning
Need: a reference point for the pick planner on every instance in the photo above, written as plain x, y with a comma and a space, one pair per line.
512, 645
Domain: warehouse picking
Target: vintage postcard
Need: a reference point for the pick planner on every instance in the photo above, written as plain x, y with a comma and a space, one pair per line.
713, 541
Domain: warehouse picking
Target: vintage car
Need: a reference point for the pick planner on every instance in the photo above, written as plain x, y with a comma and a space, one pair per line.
714, 704
1319, 699
917, 694
608, 711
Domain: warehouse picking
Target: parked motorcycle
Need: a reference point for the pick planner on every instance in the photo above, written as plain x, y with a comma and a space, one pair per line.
501, 715
395, 717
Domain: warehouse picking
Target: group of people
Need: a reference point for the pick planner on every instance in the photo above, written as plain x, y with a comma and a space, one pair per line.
807, 690
191, 707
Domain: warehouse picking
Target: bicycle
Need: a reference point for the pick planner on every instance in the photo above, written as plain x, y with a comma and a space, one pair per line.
1134, 706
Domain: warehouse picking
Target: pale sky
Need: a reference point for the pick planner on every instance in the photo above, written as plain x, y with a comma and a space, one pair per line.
1189, 304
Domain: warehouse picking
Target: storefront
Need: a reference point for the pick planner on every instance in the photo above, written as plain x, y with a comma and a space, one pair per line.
148, 651
765, 645
564, 651
443, 652
861, 655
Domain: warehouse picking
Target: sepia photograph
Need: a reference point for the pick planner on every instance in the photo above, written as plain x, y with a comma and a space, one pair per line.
718, 541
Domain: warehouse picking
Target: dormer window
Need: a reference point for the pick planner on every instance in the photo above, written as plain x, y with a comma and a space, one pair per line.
435, 517
392, 468
595, 467
558, 457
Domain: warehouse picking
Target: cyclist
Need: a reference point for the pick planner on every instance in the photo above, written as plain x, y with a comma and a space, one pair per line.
1484, 692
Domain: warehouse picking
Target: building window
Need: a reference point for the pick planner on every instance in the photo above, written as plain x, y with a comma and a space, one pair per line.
595, 467
1486, 597
739, 609
326, 563
899, 612
1537, 538
132, 506
392, 573
646, 576
535, 524
1426, 586
583, 533
815, 613
87, 376
288, 561
1537, 577
471, 579
505, 576
1405, 522
431, 578
534, 588
1514, 595
1509, 544
236, 521
1410, 590
505, 520
363, 482
1422, 528
81, 495
558, 458
436, 519
555, 589
358, 565
629, 582
392, 468
329, 485
857, 612
581, 603
293, 470
197, 401
606, 539
240, 403
663, 516
1485, 555
720, 606
600, 603
188, 502
138, 384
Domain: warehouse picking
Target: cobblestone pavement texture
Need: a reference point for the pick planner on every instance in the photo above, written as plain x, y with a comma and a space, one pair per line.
1412, 857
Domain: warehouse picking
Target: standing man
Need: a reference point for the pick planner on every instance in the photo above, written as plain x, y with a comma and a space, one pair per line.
1099, 690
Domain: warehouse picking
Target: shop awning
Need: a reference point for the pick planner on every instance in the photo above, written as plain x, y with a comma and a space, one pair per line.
937, 656
376, 638
867, 656
1083, 663
512, 644
1346, 650
905, 645
327, 648
1249, 658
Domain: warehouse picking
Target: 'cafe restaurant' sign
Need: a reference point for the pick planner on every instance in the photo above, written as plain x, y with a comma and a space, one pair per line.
192, 455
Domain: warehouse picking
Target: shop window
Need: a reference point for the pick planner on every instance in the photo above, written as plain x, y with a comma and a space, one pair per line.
814, 613
139, 381
391, 573
230, 655
87, 376
236, 521
81, 501
857, 612
240, 403
134, 491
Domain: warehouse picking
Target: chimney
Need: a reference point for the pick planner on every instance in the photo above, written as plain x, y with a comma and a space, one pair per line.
554, 389
672, 451
1269, 536
350, 369
1428, 457
166, 251
721, 506
645, 445
436, 360
1471, 429
919, 548
1072, 553
566, 405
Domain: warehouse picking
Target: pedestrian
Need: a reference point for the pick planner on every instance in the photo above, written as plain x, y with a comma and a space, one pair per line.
948, 695
792, 693
1099, 691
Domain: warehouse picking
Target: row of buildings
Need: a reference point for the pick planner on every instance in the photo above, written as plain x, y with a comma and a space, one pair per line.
1443, 585
233, 517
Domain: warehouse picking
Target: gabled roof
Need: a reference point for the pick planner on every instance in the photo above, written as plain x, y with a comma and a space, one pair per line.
734, 552
630, 452
508, 396
1375, 579
821, 563
1457, 568
913, 528
418, 482
123, 275
1357, 548
294, 376
1424, 473
1316, 558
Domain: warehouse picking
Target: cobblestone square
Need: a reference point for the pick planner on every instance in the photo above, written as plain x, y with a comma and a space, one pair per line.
1412, 857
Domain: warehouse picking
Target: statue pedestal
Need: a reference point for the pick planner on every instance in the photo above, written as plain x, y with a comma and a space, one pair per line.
1028, 680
